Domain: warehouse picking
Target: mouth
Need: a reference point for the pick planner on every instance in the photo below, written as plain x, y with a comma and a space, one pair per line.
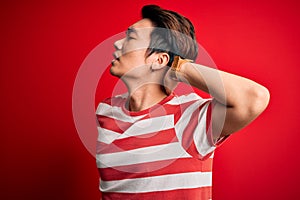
116, 58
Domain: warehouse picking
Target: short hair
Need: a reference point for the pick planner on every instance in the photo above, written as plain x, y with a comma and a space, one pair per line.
175, 34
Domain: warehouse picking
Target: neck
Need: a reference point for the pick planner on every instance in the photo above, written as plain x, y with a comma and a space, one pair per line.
144, 97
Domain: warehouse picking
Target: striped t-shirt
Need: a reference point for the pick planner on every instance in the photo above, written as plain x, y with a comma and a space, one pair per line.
164, 152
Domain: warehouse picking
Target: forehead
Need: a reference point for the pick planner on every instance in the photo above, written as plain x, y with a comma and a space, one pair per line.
142, 28
143, 23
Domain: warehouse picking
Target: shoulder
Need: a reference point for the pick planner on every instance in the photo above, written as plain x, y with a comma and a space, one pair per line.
116, 101
187, 98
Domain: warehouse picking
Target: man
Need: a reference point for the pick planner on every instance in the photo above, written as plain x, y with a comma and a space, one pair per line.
152, 143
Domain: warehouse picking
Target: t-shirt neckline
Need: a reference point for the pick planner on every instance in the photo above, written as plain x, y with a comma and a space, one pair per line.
146, 111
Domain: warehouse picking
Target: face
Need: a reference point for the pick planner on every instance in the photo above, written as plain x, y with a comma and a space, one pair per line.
130, 55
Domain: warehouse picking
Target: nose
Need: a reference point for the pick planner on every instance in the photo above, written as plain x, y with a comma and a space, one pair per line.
119, 44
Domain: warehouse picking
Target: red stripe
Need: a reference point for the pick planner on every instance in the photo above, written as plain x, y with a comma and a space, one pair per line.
203, 193
209, 127
209, 124
168, 109
135, 142
187, 137
208, 118
181, 108
157, 168
113, 124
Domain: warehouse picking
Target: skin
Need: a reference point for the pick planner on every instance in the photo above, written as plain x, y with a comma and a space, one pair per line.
237, 100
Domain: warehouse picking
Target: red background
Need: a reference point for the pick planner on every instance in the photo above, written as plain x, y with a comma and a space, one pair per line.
43, 44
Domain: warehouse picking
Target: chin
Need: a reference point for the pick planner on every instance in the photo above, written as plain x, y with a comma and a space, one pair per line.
114, 73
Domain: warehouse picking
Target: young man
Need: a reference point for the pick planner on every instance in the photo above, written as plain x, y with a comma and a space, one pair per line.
153, 144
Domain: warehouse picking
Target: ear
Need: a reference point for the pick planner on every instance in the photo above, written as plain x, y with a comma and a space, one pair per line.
161, 61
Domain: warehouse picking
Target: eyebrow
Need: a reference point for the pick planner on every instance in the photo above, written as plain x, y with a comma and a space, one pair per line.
131, 30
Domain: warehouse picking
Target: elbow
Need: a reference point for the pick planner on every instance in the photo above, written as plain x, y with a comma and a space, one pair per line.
259, 100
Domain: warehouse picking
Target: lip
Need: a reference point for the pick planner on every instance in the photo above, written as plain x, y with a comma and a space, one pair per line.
113, 61
115, 56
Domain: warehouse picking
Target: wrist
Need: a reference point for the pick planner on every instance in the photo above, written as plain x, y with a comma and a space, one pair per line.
179, 67
181, 74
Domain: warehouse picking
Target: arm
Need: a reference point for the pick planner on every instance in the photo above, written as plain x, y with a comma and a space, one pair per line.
237, 100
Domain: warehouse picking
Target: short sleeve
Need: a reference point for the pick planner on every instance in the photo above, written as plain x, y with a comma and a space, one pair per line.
197, 138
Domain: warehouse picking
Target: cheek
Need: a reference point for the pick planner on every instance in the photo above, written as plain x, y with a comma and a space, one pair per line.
135, 57
135, 46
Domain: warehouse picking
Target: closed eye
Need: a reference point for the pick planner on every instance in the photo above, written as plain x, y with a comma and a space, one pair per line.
129, 38
129, 33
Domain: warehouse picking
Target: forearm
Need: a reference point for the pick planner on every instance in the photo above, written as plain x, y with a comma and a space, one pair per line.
228, 89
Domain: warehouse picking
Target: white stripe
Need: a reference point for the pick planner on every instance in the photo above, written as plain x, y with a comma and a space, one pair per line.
151, 125
184, 99
158, 183
142, 155
123, 96
106, 136
116, 112
185, 118
200, 137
